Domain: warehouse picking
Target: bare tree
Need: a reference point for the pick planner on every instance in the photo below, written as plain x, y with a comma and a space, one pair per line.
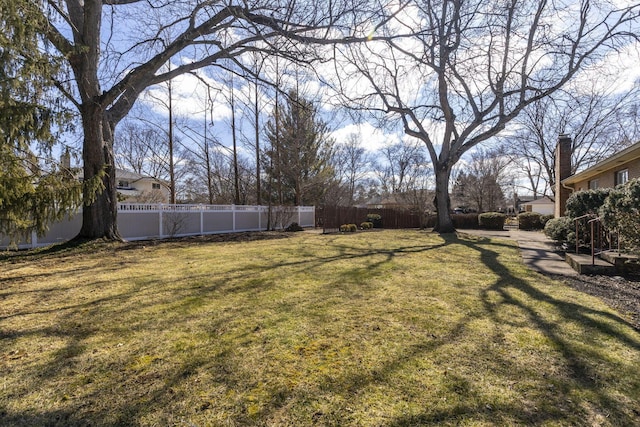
351, 163
598, 120
139, 147
254, 104
404, 174
233, 124
110, 66
455, 73
215, 183
401, 167
480, 186
142, 147
201, 156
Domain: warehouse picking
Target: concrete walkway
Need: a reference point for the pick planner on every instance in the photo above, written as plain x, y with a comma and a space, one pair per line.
538, 251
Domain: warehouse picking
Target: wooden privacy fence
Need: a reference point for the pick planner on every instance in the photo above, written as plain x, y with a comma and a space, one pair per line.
330, 218
141, 221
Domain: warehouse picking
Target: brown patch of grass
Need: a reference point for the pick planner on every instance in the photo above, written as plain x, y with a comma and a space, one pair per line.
392, 328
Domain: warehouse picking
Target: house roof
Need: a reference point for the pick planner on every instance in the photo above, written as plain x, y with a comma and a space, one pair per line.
624, 156
541, 201
125, 174
133, 177
525, 199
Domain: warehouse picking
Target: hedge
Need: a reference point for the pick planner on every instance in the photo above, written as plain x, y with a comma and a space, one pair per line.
492, 220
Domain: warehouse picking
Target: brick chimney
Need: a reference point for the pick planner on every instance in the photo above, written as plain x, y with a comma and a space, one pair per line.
65, 160
563, 171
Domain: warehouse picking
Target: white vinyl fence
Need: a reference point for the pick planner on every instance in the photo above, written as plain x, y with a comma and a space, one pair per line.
141, 221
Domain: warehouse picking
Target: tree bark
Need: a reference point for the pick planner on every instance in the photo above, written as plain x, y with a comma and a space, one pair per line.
442, 201
99, 217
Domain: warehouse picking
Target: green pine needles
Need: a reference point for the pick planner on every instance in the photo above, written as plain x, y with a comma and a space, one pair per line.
34, 190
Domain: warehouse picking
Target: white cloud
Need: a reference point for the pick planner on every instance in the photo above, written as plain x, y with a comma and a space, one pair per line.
617, 73
190, 97
371, 137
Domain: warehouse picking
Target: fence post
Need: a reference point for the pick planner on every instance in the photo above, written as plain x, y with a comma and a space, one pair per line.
34, 239
201, 219
259, 218
233, 210
161, 228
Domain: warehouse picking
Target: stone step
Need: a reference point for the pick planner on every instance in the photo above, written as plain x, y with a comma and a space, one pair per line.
623, 263
582, 263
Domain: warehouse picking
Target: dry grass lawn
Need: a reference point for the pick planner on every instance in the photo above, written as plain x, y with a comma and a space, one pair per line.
381, 328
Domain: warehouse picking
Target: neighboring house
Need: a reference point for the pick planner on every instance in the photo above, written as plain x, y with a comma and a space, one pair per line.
132, 187
136, 188
517, 205
615, 170
543, 206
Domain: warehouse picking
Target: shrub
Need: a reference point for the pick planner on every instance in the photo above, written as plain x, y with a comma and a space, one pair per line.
544, 219
375, 219
465, 220
348, 228
529, 221
586, 203
492, 220
621, 212
366, 225
562, 230
293, 227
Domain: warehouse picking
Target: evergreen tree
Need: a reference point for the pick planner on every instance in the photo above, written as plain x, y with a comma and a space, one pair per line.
298, 160
31, 196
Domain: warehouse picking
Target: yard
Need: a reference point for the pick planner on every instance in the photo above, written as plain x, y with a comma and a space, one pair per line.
380, 328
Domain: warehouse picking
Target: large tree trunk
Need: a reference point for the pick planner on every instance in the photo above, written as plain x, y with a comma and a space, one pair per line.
99, 216
442, 202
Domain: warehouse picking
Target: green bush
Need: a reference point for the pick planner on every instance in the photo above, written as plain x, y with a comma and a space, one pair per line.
375, 219
465, 221
545, 218
492, 220
293, 227
562, 230
586, 203
529, 221
366, 225
621, 212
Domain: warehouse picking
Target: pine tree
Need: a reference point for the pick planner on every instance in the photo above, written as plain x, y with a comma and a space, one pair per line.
31, 197
299, 157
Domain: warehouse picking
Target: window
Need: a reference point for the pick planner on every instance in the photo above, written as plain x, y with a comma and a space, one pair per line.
594, 184
622, 176
155, 186
123, 184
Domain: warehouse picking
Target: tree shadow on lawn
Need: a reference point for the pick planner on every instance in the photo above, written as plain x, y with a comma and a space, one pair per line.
555, 404
74, 329
580, 364
580, 373
352, 384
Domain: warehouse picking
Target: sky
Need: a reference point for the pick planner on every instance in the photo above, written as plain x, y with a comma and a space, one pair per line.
189, 92
191, 96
